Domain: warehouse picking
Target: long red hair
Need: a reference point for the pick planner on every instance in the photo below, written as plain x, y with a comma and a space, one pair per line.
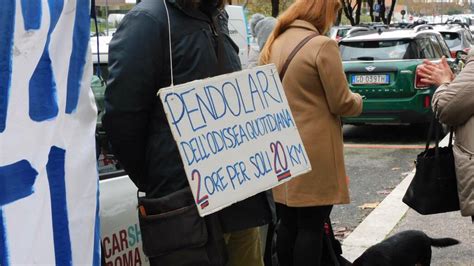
320, 13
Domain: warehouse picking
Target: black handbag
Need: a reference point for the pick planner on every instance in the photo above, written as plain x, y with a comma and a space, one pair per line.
434, 186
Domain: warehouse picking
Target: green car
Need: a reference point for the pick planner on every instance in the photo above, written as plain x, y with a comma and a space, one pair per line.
381, 66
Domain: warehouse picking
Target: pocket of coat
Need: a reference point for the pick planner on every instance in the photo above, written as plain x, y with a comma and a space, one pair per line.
173, 230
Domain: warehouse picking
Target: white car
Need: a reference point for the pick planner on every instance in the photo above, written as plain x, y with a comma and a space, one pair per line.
120, 232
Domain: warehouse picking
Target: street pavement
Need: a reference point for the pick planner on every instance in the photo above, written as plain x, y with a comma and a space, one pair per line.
377, 159
392, 216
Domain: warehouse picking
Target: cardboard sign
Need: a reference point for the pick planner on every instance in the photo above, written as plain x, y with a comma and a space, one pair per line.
236, 136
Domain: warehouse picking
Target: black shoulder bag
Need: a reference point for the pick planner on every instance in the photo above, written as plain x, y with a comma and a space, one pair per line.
434, 186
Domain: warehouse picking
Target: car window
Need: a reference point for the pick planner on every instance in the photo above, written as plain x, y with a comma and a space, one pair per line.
436, 46
444, 46
426, 49
379, 50
468, 37
452, 39
108, 165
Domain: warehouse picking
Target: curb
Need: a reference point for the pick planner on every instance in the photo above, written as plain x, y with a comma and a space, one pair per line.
381, 221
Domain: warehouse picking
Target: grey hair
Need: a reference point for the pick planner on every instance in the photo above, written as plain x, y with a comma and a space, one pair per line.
256, 18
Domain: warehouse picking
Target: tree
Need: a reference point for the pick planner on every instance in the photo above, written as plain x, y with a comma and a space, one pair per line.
381, 16
370, 3
267, 7
388, 19
275, 8
352, 9
339, 18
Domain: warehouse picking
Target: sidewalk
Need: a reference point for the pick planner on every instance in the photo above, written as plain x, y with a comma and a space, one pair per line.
393, 216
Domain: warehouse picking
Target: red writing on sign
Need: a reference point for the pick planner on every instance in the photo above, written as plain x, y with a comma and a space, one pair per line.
124, 242
131, 258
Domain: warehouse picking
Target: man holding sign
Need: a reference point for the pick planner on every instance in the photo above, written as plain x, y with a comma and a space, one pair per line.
139, 61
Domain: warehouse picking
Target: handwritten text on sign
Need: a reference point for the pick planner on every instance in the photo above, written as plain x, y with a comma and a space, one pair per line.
236, 136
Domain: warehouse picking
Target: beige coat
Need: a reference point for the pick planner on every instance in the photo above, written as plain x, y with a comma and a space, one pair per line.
456, 108
318, 94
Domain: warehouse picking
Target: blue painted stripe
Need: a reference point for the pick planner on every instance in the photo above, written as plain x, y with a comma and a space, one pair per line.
80, 42
16, 181
55, 9
32, 12
57, 186
42, 87
43, 99
7, 26
96, 258
3, 242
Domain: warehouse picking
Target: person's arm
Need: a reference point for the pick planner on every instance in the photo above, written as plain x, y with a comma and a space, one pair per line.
134, 68
455, 101
340, 99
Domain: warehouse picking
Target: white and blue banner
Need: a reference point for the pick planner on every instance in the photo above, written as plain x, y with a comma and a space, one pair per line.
48, 176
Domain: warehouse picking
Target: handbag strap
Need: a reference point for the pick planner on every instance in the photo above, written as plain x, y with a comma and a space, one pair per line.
294, 52
435, 126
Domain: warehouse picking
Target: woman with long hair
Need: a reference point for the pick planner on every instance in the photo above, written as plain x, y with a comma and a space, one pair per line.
318, 94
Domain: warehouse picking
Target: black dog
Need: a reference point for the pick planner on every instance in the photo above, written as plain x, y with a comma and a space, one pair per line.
403, 249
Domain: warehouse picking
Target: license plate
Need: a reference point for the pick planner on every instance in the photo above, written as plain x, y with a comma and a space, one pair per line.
371, 79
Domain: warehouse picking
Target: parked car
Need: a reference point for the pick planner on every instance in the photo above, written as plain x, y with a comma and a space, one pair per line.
458, 38
100, 53
339, 32
374, 25
381, 66
121, 240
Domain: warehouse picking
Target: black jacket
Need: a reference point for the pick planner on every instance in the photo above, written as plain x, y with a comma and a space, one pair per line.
135, 120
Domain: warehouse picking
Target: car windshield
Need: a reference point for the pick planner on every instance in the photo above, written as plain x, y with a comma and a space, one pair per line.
378, 50
452, 39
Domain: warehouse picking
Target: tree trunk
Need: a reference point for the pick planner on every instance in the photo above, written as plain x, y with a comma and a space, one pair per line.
339, 18
275, 8
382, 12
357, 13
348, 11
371, 9
390, 13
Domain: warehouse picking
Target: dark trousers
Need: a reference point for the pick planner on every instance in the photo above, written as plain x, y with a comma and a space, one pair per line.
300, 234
